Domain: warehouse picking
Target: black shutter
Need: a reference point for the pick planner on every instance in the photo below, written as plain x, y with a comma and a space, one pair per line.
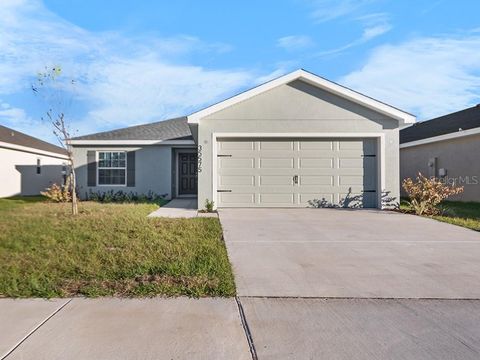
131, 168
91, 168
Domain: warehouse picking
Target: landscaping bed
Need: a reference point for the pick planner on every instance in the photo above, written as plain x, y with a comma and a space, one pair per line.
108, 250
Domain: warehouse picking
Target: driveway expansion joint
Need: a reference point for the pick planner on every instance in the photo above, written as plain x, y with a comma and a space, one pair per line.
246, 329
9, 352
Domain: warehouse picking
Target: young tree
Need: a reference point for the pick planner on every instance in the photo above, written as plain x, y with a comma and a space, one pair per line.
54, 92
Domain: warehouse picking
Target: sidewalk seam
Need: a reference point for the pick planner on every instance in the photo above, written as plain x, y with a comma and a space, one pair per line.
9, 352
246, 329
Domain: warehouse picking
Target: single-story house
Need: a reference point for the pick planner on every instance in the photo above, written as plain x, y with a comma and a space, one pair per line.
447, 147
28, 165
293, 141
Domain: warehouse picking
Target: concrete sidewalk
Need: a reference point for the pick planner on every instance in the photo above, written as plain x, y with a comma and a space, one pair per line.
281, 328
177, 208
108, 328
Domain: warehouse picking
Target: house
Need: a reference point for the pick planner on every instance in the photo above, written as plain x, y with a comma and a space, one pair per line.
28, 165
292, 141
447, 147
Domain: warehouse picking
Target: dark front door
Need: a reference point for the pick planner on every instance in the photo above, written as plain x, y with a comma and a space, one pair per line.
187, 174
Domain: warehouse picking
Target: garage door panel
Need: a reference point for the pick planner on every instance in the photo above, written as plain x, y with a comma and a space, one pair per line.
316, 180
276, 145
276, 163
236, 163
235, 145
325, 197
318, 163
265, 180
349, 163
328, 171
351, 145
315, 145
226, 180
277, 198
236, 199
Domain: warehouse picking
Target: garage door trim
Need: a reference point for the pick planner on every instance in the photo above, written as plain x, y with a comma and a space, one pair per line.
380, 151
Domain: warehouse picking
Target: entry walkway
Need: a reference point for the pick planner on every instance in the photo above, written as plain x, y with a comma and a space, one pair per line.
177, 208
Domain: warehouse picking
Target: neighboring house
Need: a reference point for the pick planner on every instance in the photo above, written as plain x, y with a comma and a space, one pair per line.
447, 147
288, 142
28, 165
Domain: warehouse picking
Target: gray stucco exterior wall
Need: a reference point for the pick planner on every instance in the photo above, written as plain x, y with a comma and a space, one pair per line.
153, 169
297, 107
459, 157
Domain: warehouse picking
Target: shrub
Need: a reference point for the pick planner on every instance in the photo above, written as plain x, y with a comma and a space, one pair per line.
57, 193
209, 206
425, 194
125, 197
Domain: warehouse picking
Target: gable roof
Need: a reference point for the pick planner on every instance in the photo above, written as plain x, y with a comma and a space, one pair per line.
447, 124
14, 137
172, 129
312, 79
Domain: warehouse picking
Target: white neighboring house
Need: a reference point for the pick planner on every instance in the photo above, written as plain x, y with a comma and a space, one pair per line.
28, 165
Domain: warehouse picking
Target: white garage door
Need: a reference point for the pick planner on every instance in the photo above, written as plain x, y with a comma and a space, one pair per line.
296, 172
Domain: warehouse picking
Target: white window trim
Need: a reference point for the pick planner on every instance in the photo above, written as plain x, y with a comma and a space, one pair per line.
380, 153
112, 168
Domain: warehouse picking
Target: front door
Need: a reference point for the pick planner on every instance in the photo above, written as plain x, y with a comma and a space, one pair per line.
187, 174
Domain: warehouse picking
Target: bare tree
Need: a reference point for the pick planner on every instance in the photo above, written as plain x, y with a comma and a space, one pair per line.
57, 97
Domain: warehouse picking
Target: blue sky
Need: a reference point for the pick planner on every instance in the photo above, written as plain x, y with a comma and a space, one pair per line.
142, 61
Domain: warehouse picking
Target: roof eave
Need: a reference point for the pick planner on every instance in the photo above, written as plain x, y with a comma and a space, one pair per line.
130, 142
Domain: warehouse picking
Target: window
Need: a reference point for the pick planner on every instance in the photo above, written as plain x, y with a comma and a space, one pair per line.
112, 168
39, 167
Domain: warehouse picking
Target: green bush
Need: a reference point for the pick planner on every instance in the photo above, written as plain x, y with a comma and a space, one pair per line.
124, 197
209, 206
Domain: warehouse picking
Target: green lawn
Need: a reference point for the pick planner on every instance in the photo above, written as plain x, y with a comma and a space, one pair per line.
466, 214
108, 250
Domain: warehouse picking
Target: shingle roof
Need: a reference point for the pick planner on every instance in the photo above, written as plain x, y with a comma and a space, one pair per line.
177, 129
464, 119
17, 138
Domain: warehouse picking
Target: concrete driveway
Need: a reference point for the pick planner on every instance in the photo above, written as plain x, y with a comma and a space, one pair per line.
350, 254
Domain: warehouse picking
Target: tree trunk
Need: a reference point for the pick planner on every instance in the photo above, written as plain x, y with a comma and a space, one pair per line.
74, 188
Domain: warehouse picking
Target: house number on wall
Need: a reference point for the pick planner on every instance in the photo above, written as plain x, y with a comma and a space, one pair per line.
199, 158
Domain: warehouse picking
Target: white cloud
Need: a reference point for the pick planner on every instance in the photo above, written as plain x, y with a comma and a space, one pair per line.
16, 118
294, 42
326, 10
427, 76
374, 25
141, 89
122, 81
